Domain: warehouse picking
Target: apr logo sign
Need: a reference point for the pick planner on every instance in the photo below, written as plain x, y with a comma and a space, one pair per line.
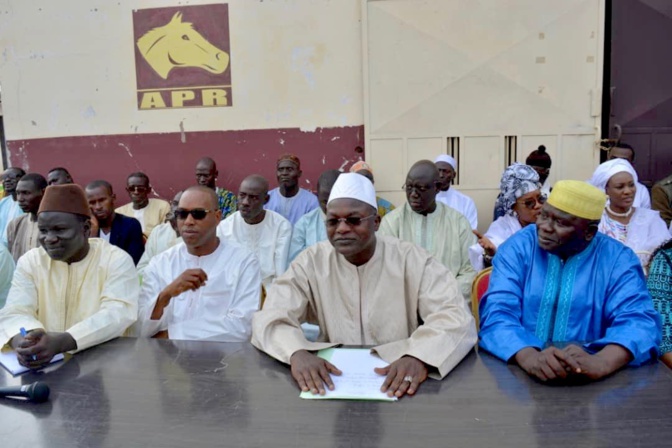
182, 57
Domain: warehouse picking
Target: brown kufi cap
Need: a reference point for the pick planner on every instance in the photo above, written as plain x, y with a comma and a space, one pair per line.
69, 198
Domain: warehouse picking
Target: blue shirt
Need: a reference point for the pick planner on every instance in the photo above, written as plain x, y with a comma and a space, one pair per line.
292, 208
597, 297
308, 230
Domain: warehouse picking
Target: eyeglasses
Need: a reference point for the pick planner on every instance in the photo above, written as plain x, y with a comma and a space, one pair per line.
137, 188
352, 221
419, 188
531, 203
197, 213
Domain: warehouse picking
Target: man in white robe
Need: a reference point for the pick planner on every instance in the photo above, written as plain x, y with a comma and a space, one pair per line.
447, 167
437, 228
163, 237
264, 232
71, 293
364, 289
201, 288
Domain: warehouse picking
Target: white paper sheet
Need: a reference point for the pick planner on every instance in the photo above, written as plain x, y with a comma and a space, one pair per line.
358, 380
11, 363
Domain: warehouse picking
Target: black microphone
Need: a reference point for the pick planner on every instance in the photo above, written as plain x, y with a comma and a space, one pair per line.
36, 392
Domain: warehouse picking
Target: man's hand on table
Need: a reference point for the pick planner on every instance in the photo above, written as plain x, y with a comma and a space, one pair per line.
601, 364
398, 373
38, 347
547, 364
312, 372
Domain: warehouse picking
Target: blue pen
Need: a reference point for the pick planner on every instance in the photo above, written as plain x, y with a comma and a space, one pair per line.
24, 333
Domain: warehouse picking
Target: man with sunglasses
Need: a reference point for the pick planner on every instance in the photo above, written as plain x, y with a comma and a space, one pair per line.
202, 288
150, 212
565, 301
441, 230
363, 289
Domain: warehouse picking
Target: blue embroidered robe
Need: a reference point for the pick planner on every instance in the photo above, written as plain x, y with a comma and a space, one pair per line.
596, 297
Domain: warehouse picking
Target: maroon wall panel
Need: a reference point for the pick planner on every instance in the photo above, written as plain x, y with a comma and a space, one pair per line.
169, 159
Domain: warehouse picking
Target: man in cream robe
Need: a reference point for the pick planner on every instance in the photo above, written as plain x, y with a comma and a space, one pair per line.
364, 289
434, 226
264, 232
202, 288
72, 293
21, 234
150, 212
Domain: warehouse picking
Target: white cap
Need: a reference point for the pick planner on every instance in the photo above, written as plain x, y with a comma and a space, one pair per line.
354, 186
447, 159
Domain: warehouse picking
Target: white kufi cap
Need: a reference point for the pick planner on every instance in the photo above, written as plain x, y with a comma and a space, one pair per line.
447, 159
354, 186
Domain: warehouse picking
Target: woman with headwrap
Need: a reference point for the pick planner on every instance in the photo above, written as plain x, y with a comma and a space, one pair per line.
521, 199
641, 229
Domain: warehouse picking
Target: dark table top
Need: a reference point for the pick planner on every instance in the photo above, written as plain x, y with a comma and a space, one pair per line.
150, 393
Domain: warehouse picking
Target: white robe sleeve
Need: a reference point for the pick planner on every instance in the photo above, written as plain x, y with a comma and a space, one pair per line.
227, 325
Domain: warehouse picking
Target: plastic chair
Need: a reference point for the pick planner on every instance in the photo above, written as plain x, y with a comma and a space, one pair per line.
478, 289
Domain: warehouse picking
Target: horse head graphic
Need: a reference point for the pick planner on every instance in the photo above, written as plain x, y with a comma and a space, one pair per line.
178, 44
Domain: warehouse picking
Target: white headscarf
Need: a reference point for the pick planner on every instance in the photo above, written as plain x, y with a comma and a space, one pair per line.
608, 169
447, 159
354, 186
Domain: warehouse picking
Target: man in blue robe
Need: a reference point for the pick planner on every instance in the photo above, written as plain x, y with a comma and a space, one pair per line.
561, 281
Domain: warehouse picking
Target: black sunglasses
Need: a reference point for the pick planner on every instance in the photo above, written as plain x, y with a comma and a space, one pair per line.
197, 213
352, 221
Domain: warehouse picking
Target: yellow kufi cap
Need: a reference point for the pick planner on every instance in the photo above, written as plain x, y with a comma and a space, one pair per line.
578, 198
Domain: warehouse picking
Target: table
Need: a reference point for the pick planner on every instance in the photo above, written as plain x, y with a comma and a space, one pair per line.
156, 393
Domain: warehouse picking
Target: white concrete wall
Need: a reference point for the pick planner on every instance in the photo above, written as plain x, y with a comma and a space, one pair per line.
481, 71
67, 68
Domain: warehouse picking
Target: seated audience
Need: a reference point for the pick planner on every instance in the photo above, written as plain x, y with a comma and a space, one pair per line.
163, 237
561, 281
364, 289
641, 229
9, 207
661, 199
441, 230
59, 176
521, 197
447, 167
310, 228
149, 212
363, 168
659, 283
202, 288
21, 234
626, 152
71, 293
263, 232
206, 176
6, 273
117, 229
541, 162
288, 199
